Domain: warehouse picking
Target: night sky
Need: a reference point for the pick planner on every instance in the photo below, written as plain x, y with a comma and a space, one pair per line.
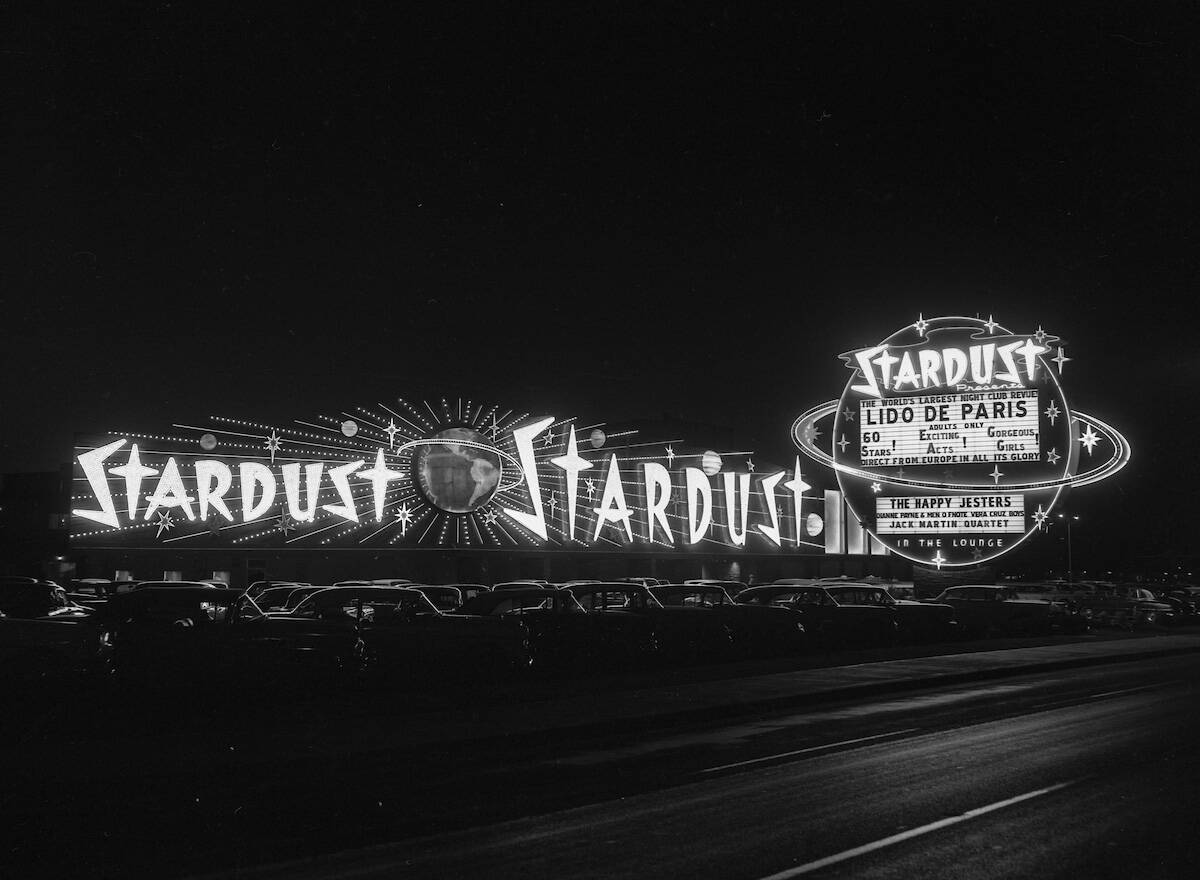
595, 209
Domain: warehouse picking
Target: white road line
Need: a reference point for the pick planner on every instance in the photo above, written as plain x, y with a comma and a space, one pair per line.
1144, 687
809, 867
845, 742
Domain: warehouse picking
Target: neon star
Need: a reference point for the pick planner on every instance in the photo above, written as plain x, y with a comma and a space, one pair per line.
1052, 456
489, 517
553, 502
843, 443
379, 475
670, 458
165, 523
875, 487
1052, 412
405, 516
996, 475
391, 430
1040, 516
1041, 335
550, 435
811, 433
494, 428
991, 325
1061, 359
590, 485
976, 554
286, 523
921, 324
272, 444
750, 465
848, 414
1089, 439
938, 559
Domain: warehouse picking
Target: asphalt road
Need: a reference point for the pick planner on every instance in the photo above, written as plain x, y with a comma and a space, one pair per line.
1086, 773
1083, 772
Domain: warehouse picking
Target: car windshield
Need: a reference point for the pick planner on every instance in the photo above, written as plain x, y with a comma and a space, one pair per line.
298, 595
861, 596
617, 600
690, 597
378, 605
443, 598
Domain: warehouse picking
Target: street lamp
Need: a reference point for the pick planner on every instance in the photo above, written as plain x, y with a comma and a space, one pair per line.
1070, 563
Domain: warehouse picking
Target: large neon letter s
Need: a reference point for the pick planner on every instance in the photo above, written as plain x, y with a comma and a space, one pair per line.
523, 438
93, 468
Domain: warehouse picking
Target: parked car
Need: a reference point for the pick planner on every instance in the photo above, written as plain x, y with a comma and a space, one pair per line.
43, 633
987, 610
1125, 607
680, 634
185, 638
915, 621
562, 635
829, 622
758, 630
1185, 606
192, 638
400, 634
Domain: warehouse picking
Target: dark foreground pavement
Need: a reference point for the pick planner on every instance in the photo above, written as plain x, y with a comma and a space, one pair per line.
178, 785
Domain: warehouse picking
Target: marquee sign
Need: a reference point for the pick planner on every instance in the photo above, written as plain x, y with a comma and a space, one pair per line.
452, 474
953, 438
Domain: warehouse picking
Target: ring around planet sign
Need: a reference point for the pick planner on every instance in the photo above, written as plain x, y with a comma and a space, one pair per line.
953, 439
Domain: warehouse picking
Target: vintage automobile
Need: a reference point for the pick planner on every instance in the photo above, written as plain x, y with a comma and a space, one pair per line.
402, 635
43, 633
830, 623
679, 633
562, 636
988, 610
189, 638
470, 591
1185, 606
1122, 606
183, 637
758, 630
915, 621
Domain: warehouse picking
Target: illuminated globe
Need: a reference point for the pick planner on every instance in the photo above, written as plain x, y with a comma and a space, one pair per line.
457, 477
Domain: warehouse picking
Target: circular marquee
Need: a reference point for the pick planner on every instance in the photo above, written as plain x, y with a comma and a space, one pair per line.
953, 439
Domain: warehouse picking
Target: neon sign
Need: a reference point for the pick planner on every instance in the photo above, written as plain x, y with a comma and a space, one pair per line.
953, 439
462, 476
